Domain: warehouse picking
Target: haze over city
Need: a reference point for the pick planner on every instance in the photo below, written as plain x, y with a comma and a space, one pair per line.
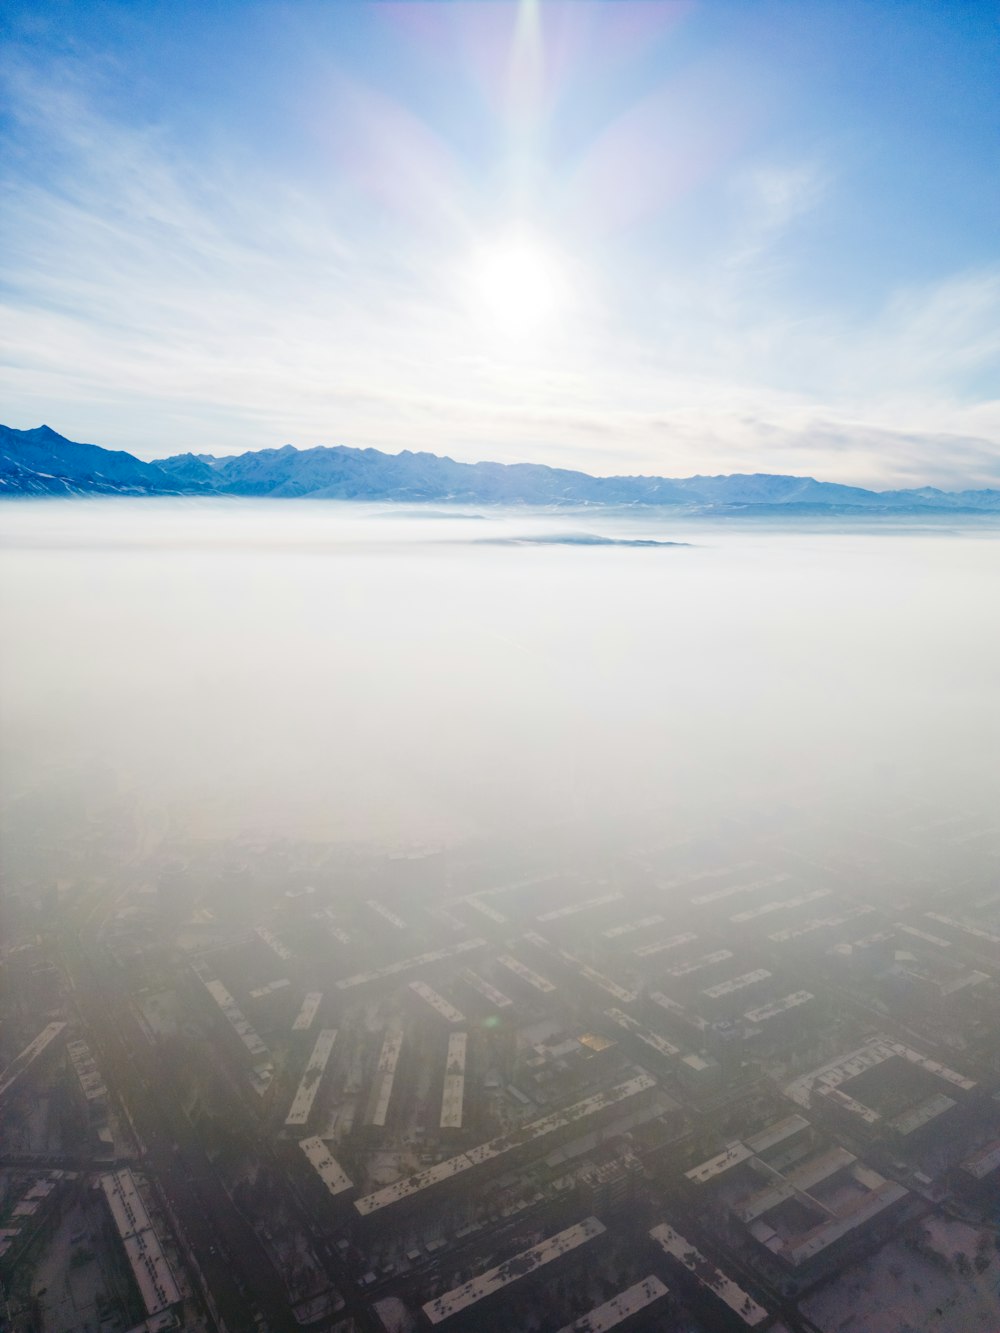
499, 706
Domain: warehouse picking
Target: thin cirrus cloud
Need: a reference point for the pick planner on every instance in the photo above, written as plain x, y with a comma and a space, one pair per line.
166, 295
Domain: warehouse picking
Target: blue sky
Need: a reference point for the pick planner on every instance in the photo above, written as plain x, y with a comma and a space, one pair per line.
620, 236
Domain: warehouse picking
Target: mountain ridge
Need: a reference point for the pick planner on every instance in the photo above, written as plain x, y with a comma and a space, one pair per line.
40, 461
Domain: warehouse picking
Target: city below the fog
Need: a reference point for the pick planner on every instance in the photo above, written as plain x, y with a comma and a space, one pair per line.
724, 1078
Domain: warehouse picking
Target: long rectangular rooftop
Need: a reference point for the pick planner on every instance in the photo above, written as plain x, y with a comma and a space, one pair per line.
699, 964
736, 983
540, 983
779, 905
731, 890
498, 1147
652, 1039
630, 927
29, 1055
310, 1007
387, 914
588, 903
821, 923
236, 1018
385, 1076
485, 989
485, 909
620, 1308
787, 1002
408, 964
442, 1007
453, 1091
312, 1077
88, 1075
272, 942
262, 992
512, 1270
583, 969
967, 927
329, 1170
712, 1279
157, 1284
735, 1153
663, 946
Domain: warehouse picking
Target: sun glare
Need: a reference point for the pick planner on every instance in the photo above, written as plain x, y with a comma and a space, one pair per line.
516, 286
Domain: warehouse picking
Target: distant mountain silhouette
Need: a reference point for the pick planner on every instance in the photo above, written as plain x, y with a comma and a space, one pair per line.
42, 462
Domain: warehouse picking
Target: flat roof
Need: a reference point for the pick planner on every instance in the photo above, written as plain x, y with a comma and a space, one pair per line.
157, 1284
385, 1075
815, 1169
583, 969
739, 1151
485, 908
442, 1007
29, 1055
732, 1155
407, 964
696, 964
679, 1011
236, 1018
584, 906
260, 992
984, 1162
621, 1307
736, 983
966, 926
329, 1170
630, 927
312, 1077
453, 1091
526, 974
386, 914
826, 1080
512, 1270
779, 905
712, 1279
310, 1007
915, 1117
505, 1143
772, 1135
873, 1203
924, 935
663, 946
865, 942
488, 991
819, 923
88, 1075
652, 1039
776, 1007
273, 942
730, 891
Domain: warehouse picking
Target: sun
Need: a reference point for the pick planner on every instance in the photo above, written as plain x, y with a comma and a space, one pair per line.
516, 285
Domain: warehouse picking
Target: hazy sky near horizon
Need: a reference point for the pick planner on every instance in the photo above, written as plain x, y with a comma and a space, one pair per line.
658, 237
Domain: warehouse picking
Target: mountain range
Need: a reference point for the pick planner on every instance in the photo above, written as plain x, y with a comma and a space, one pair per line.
42, 462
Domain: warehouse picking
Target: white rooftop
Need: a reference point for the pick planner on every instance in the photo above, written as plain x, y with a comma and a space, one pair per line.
520, 1265
620, 1307
312, 1077
711, 1278
332, 1174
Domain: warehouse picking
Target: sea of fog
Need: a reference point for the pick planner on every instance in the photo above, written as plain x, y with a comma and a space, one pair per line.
419, 674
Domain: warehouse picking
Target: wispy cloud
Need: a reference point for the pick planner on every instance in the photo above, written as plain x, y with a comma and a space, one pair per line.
161, 296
